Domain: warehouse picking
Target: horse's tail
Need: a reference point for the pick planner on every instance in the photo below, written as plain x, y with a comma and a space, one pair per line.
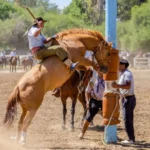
11, 109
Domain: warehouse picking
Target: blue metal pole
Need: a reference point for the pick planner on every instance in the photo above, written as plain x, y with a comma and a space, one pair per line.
110, 133
111, 16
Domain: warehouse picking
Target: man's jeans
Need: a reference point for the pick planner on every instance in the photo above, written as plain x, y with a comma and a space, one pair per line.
128, 105
50, 51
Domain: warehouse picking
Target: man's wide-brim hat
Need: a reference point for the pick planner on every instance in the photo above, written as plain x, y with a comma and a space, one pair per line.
39, 19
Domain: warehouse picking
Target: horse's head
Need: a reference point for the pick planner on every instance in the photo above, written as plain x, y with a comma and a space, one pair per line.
103, 54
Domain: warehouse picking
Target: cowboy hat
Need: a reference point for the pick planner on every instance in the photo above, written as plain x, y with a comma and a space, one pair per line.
39, 19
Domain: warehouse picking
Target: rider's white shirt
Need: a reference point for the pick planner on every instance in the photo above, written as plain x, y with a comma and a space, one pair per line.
13, 54
35, 41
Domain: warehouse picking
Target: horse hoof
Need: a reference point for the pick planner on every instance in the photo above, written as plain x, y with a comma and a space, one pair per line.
72, 129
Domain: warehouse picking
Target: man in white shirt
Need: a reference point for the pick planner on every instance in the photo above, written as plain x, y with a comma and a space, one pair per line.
36, 44
126, 88
93, 95
13, 53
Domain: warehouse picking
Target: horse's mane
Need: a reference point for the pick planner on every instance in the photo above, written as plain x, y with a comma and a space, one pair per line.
65, 33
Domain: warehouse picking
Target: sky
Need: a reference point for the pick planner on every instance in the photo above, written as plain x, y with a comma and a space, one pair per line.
61, 3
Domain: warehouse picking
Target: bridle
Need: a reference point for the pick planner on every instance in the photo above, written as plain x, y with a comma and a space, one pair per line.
99, 48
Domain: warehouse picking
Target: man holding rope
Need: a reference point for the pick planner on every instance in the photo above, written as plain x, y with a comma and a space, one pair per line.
126, 88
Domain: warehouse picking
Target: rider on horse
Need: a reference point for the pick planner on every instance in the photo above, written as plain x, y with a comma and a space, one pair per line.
39, 50
13, 53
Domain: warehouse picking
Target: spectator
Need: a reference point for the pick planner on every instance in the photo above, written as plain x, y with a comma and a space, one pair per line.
126, 88
93, 94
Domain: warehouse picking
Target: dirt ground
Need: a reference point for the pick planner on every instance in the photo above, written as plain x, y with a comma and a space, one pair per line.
45, 132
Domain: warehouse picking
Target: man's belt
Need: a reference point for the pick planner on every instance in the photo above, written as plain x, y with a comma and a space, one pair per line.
35, 49
127, 95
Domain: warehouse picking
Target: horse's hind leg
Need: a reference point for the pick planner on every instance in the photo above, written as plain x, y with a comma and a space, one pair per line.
28, 118
20, 124
74, 100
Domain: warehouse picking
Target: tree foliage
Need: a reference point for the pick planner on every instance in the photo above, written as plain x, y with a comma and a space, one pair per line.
90, 11
125, 7
5, 10
133, 29
135, 34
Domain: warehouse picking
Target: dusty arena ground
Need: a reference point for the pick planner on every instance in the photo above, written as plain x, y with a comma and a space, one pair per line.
45, 132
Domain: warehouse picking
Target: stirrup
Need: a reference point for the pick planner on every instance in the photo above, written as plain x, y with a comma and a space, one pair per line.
73, 66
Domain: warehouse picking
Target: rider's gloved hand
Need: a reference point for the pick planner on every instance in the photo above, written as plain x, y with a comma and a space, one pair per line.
54, 36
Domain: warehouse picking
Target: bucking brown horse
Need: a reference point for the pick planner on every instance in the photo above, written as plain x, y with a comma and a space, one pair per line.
52, 73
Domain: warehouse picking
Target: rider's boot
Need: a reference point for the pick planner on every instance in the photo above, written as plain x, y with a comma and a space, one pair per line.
70, 64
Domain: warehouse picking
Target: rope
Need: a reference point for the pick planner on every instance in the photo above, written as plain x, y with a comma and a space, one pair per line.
103, 136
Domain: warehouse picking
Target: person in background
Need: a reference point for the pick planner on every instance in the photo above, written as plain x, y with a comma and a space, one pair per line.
93, 95
2, 54
13, 53
126, 88
29, 56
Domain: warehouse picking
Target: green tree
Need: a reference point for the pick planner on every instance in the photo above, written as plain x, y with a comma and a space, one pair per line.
135, 34
6, 10
75, 9
90, 11
141, 26
39, 3
125, 7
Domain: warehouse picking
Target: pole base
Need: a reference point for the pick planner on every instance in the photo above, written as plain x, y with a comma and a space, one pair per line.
110, 134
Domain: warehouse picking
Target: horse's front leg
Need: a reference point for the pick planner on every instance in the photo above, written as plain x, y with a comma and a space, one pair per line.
63, 100
74, 100
86, 62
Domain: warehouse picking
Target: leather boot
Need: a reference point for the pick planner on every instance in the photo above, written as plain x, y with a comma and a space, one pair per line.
84, 128
70, 64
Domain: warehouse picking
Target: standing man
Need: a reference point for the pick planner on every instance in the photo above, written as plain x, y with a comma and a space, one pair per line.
93, 95
39, 50
126, 88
